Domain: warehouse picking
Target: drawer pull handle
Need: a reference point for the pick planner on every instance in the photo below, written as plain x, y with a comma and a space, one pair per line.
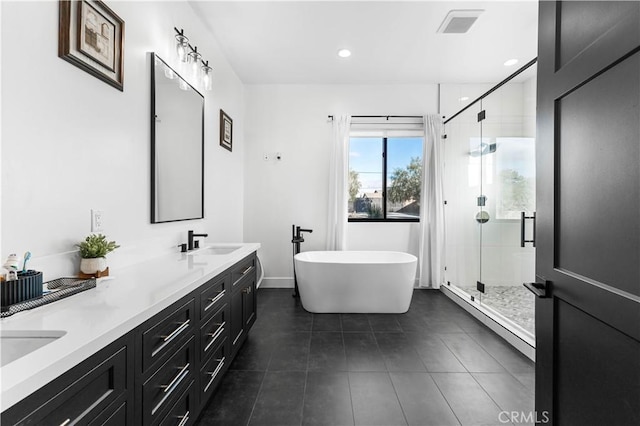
177, 331
215, 372
242, 274
237, 337
176, 380
214, 336
184, 419
247, 290
168, 389
66, 422
214, 300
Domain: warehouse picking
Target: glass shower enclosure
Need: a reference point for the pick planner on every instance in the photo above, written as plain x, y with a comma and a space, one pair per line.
490, 200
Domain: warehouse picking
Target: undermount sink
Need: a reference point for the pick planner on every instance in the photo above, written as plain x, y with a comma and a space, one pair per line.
18, 343
213, 250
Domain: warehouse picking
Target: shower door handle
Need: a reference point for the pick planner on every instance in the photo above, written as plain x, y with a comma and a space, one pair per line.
541, 290
524, 217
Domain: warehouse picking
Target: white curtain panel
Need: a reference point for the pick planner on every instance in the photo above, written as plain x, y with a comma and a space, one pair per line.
338, 183
431, 255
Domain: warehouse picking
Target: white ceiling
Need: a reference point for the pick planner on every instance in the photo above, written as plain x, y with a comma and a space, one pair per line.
296, 42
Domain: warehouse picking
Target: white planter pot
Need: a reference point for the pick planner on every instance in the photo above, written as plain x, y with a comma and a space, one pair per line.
92, 266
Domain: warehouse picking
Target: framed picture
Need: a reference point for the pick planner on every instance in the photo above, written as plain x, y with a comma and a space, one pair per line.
226, 131
91, 37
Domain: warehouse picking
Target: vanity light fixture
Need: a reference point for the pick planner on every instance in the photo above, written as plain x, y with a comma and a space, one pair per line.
168, 72
207, 76
182, 45
199, 69
183, 85
193, 59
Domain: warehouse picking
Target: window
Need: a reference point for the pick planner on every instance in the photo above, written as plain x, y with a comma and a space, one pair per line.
515, 173
385, 176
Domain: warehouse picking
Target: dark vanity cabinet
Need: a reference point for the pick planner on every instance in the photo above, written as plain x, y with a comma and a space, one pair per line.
186, 349
98, 391
165, 361
243, 301
161, 373
214, 346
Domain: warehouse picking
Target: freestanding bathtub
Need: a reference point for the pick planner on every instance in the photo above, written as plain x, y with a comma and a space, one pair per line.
355, 281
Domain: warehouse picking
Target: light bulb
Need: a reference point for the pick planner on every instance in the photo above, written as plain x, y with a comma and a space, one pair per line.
207, 76
194, 62
182, 45
183, 84
168, 72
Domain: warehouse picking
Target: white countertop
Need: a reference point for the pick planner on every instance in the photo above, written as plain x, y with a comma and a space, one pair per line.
96, 317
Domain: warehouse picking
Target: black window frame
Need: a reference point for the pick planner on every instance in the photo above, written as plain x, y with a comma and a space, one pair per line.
385, 219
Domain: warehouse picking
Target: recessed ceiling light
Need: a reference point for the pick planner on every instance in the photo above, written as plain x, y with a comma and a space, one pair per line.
344, 53
464, 98
510, 62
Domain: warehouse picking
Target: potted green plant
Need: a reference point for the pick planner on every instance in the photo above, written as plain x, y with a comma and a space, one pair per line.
93, 251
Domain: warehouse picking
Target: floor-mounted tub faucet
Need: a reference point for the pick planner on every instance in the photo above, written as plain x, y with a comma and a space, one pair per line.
191, 236
296, 239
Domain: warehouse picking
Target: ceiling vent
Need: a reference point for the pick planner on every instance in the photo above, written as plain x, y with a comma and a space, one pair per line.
459, 21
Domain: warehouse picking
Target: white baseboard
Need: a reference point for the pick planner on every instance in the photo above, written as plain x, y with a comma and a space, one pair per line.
277, 282
523, 343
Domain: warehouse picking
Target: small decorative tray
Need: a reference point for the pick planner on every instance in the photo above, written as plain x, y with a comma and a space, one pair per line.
52, 290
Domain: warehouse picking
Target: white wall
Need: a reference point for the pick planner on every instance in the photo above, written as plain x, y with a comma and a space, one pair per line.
71, 143
292, 120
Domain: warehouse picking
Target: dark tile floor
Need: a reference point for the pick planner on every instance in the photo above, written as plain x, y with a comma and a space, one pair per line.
434, 365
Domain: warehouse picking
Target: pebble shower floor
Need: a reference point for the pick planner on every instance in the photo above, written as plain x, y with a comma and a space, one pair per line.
515, 303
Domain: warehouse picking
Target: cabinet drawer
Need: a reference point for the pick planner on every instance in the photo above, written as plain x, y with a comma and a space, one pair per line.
212, 371
214, 331
113, 416
183, 411
161, 337
214, 295
162, 389
242, 269
81, 401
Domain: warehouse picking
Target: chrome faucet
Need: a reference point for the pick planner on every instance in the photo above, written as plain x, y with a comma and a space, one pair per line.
191, 236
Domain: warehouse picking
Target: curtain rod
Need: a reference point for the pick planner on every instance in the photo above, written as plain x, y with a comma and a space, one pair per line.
381, 116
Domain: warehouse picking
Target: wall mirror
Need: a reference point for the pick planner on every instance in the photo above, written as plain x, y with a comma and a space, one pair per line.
177, 146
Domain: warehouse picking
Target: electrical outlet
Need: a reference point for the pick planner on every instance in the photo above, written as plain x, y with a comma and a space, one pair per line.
96, 220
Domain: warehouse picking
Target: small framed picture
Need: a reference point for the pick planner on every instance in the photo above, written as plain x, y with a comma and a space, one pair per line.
226, 131
91, 37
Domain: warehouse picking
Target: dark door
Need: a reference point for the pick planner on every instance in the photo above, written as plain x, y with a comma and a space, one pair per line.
588, 240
